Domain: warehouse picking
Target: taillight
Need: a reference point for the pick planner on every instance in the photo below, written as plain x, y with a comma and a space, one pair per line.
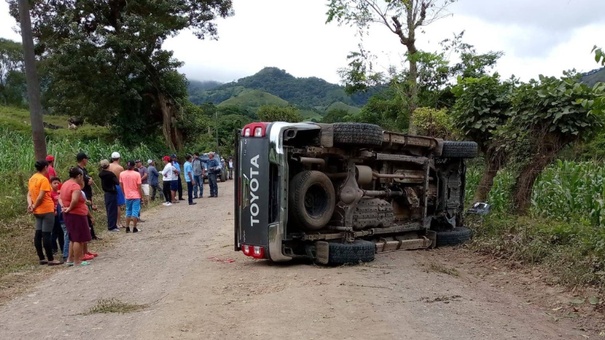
259, 252
256, 252
255, 130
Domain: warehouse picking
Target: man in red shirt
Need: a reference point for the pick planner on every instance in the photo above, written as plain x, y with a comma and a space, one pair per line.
51, 167
130, 182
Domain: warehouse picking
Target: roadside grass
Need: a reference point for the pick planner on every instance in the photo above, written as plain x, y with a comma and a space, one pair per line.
113, 305
564, 231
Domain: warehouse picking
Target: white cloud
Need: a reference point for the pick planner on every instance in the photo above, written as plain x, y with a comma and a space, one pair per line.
538, 36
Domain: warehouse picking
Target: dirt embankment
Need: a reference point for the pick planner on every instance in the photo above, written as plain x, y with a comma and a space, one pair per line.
181, 279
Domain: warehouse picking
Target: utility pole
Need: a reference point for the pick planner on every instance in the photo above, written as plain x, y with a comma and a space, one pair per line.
33, 84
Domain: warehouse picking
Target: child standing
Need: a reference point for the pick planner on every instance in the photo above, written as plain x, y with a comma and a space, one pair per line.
59, 231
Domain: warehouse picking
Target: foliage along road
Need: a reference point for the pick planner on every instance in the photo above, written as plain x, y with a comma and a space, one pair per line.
180, 278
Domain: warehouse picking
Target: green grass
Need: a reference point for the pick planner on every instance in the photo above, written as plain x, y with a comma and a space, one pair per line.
104, 306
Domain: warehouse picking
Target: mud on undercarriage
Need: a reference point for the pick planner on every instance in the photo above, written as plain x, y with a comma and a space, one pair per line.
355, 189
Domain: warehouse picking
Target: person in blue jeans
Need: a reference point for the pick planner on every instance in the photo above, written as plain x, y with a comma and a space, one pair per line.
63, 236
214, 168
188, 170
198, 176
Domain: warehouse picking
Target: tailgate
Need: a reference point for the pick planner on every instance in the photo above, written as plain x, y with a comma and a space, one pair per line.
252, 191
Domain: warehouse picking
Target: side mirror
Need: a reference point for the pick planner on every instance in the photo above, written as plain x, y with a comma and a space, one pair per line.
479, 208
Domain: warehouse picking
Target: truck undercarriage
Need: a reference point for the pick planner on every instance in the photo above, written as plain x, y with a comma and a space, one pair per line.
353, 190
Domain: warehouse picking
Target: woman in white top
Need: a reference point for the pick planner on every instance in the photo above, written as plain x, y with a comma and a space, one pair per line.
170, 181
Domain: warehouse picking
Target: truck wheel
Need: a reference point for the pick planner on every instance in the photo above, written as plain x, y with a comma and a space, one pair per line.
463, 149
357, 134
453, 237
312, 199
332, 253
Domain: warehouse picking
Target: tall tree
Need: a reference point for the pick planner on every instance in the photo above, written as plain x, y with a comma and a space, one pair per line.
33, 84
107, 61
403, 18
12, 73
482, 106
547, 115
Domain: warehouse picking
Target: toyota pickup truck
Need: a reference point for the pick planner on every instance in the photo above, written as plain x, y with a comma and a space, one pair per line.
340, 193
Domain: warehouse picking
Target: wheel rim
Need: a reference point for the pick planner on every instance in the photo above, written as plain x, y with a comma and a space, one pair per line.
316, 199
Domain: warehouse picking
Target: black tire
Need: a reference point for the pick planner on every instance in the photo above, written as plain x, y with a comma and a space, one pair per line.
357, 134
453, 237
463, 149
351, 253
312, 199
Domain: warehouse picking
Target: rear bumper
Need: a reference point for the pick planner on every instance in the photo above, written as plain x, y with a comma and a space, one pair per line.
276, 235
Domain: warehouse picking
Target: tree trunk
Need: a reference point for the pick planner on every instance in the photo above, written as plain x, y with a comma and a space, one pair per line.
33, 84
527, 177
487, 180
166, 121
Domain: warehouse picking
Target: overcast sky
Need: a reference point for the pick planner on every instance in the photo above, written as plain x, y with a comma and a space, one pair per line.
536, 36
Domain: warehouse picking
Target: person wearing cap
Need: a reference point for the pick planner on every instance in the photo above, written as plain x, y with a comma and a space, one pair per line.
82, 159
154, 179
109, 182
51, 167
169, 177
189, 179
117, 169
177, 167
214, 167
130, 181
40, 203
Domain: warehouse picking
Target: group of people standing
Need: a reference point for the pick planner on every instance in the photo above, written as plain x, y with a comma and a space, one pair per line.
63, 211
194, 172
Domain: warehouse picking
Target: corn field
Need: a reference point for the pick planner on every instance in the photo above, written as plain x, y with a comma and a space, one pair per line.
17, 164
566, 191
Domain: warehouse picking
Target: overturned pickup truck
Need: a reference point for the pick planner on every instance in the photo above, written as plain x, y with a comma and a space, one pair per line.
339, 193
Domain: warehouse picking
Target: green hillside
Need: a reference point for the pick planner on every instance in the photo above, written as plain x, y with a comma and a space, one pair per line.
594, 76
252, 100
314, 93
18, 120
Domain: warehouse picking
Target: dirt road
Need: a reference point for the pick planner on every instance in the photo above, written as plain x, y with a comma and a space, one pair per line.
179, 271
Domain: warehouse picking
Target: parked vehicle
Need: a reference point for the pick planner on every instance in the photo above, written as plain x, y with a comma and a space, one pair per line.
339, 193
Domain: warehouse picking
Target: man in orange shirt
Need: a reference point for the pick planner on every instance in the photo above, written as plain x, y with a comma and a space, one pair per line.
130, 182
40, 203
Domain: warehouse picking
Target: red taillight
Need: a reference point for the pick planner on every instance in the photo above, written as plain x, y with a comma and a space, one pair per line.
255, 130
256, 252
